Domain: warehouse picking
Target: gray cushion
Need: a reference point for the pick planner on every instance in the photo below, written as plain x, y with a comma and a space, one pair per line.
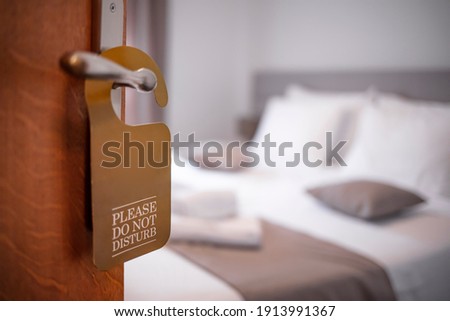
365, 199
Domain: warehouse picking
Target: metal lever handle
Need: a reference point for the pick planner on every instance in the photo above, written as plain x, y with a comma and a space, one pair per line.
89, 65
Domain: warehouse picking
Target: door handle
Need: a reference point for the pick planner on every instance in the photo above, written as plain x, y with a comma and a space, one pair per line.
89, 65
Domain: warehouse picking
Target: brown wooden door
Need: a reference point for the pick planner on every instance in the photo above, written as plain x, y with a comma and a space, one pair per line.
45, 240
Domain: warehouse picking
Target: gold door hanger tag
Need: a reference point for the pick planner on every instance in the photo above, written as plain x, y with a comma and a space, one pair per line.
130, 171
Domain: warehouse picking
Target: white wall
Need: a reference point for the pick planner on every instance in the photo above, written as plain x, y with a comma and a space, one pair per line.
205, 52
215, 46
350, 34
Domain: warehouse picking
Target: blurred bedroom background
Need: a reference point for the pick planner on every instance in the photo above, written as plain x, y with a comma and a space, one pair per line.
374, 73
211, 50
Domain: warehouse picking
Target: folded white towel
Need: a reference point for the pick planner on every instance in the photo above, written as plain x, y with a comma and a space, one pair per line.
205, 204
237, 231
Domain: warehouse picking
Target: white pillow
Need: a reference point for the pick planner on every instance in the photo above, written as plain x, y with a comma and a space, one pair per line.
350, 103
299, 122
406, 142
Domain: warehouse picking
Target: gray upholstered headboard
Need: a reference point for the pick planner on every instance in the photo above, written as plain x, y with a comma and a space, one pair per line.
424, 84
427, 85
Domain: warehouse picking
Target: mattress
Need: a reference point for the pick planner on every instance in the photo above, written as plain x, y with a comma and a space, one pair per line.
413, 248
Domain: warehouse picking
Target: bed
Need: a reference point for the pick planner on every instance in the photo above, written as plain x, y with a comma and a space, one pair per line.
397, 128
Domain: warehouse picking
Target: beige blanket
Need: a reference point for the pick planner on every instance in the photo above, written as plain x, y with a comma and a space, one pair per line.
292, 266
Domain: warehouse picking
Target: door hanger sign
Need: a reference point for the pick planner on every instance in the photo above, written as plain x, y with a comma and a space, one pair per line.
130, 171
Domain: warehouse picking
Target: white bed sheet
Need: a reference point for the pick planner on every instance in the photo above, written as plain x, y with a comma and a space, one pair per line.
414, 248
